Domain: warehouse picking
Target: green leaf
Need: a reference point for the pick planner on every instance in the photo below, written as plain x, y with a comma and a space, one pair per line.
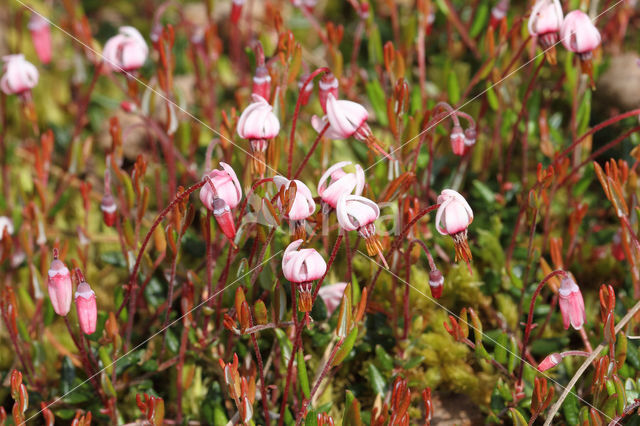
346, 347
344, 316
376, 380
376, 95
172, 341
500, 352
517, 417
351, 415
285, 344
384, 360
303, 379
480, 21
453, 88
570, 408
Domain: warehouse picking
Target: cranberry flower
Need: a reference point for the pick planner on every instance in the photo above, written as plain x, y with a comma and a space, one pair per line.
259, 124
453, 218
220, 194
59, 286
126, 51
19, 75
346, 119
6, 225
579, 35
332, 296
545, 23
571, 303
86, 308
298, 209
41, 37
357, 213
335, 182
302, 267
436, 283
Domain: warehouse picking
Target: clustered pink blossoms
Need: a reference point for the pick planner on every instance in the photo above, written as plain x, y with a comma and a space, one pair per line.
571, 303
19, 76
220, 194
453, 218
258, 124
302, 267
127, 51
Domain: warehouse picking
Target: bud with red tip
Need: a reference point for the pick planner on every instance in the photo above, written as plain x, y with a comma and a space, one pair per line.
86, 307
262, 82
59, 286
571, 303
453, 218
220, 194
302, 267
436, 283
236, 10
328, 85
41, 37
550, 361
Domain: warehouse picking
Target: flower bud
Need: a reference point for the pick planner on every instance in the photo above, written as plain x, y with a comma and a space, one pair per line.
550, 361
59, 286
457, 141
86, 308
436, 283
328, 85
262, 82
109, 209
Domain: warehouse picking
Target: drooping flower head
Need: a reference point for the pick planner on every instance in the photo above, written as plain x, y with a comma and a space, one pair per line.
327, 85
86, 307
41, 37
336, 182
19, 75
453, 218
302, 267
297, 210
346, 119
220, 194
571, 303
59, 286
127, 51
550, 361
579, 35
259, 124
357, 213
436, 283
545, 23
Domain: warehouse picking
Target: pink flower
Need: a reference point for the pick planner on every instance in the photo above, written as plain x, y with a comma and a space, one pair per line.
328, 84
86, 308
303, 205
550, 361
346, 119
453, 218
579, 35
355, 212
335, 182
126, 51
220, 194
332, 295
546, 18
302, 267
19, 75
258, 123
571, 303
225, 186
41, 37
59, 286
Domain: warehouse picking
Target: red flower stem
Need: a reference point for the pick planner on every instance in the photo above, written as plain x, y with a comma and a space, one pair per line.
462, 30
263, 388
598, 152
525, 276
208, 253
397, 243
407, 265
316, 385
298, 338
297, 111
84, 359
313, 148
133, 282
598, 127
528, 326
585, 340
334, 252
172, 278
